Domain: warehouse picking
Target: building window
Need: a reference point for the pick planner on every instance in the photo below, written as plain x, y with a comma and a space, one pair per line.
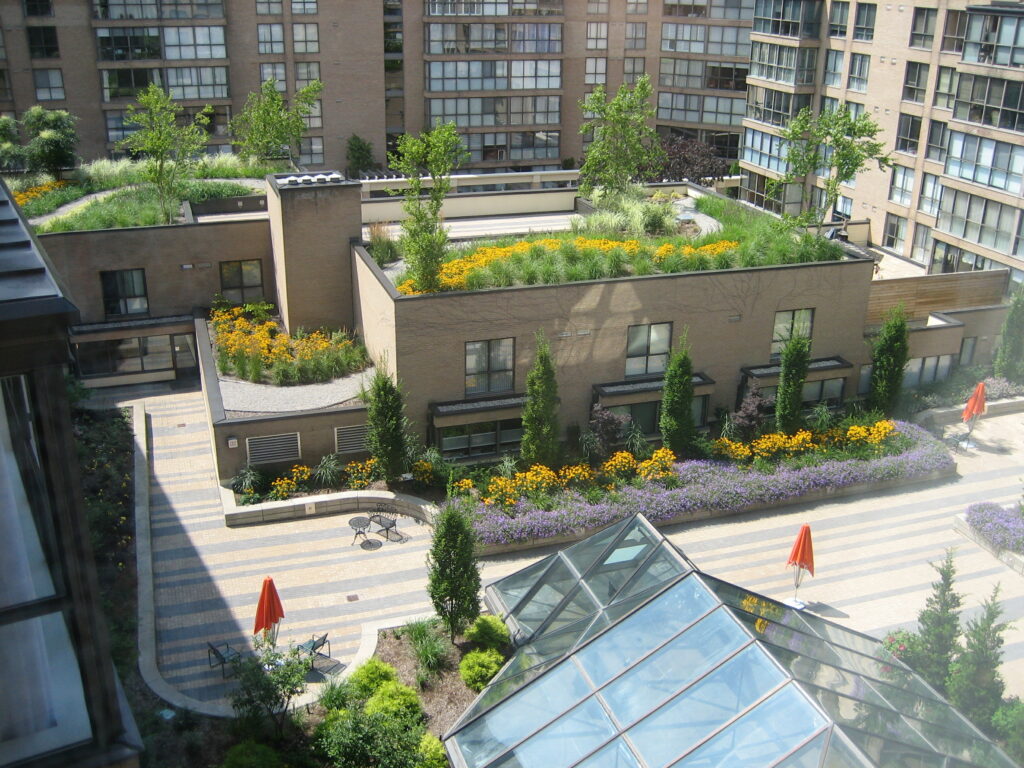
921, 248
681, 73
977, 219
790, 18
994, 39
597, 35
538, 74
728, 77
686, 8
765, 150
597, 6
117, 129
755, 188
990, 101
124, 356
125, 9
945, 87
784, 63
311, 151
270, 38
304, 6
534, 110
268, 7
126, 83
838, 18
995, 164
915, 81
922, 30
908, 133
191, 9
834, 68
636, 35
967, 345
274, 71
241, 281
42, 42
790, 323
931, 192
636, 7
860, 65
644, 416
647, 348
844, 208
729, 41
775, 107
194, 43
921, 371
315, 118
632, 69
128, 43
489, 438
828, 391
895, 233
49, 84
490, 366
901, 186
305, 73
596, 70
536, 38
864, 22
533, 145
39, 7
197, 82
937, 139
306, 38
124, 292
683, 38
954, 31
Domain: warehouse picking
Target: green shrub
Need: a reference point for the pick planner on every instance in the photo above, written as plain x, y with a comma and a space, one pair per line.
395, 700
249, 480
478, 667
431, 752
354, 738
488, 631
430, 648
369, 676
249, 754
329, 471
1009, 724
282, 373
336, 694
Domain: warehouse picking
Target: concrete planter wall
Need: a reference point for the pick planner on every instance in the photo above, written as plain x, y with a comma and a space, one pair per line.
343, 502
1008, 558
822, 495
941, 417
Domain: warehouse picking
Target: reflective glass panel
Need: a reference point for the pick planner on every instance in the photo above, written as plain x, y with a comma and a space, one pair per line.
578, 606
841, 754
615, 755
618, 565
567, 739
513, 587
548, 593
583, 554
808, 756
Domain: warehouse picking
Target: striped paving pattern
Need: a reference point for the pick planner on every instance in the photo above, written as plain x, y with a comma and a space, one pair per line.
872, 555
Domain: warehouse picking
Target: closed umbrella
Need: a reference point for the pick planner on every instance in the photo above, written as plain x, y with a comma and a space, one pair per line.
802, 558
269, 610
975, 406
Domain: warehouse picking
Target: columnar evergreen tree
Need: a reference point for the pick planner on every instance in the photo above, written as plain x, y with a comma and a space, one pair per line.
1009, 362
975, 686
678, 432
540, 414
938, 628
358, 156
51, 139
795, 359
888, 358
385, 424
453, 579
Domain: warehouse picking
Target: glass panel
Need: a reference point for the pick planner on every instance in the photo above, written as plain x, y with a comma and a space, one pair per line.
605, 578
546, 698
846, 711
636, 341
252, 274
513, 587
646, 629
656, 363
476, 357
577, 607
762, 735
184, 350
661, 338
662, 567
884, 752
501, 382
672, 668
845, 637
583, 554
808, 756
615, 755
636, 366
156, 353
566, 740
841, 754
501, 687
556, 584
710, 703
753, 603
501, 355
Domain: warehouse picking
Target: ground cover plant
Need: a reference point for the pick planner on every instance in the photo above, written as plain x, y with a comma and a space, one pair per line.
1002, 527
249, 344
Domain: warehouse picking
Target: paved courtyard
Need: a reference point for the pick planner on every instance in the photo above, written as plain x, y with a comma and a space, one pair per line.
872, 554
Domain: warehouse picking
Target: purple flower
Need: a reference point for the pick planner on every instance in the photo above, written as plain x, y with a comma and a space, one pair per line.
1003, 527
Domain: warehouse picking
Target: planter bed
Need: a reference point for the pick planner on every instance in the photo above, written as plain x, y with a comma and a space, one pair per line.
341, 502
713, 489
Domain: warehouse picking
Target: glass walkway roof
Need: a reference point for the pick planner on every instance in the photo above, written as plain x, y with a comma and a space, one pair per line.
627, 656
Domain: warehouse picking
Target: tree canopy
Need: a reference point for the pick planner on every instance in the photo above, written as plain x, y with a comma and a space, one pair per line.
691, 159
51, 139
269, 129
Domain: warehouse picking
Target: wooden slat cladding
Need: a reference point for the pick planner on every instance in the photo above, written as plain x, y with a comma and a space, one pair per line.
935, 293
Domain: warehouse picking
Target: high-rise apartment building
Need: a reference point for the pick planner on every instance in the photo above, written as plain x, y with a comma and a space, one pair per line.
510, 73
944, 82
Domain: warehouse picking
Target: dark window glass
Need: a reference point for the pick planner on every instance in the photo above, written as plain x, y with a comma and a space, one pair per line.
490, 366
922, 32
908, 134
241, 281
128, 43
647, 348
838, 18
487, 438
954, 31
124, 292
915, 81
790, 323
864, 22
42, 42
937, 138
38, 8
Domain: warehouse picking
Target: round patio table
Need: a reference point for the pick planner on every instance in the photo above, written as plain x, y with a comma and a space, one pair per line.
359, 524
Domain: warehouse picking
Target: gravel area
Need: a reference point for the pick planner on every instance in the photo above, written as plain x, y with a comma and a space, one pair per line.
253, 399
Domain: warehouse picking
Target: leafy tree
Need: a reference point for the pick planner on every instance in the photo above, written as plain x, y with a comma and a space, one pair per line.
1009, 362
358, 156
975, 686
938, 628
1009, 724
835, 140
625, 144
268, 681
385, 424
453, 578
424, 240
51, 139
889, 354
748, 421
678, 432
691, 159
794, 361
351, 737
171, 149
12, 154
267, 128
540, 414
604, 430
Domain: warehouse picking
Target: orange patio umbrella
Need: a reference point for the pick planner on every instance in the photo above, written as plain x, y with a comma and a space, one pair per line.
269, 610
802, 558
975, 405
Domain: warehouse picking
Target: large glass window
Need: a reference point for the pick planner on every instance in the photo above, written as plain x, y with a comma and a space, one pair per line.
125, 9
908, 133
954, 31
126, 83
765, 150
636, 35
860, 65
921, 248
915, 81
784, 63
895, 234
647, 348
124, 292
864, 22
838, 18
791, 18
937, 140
729, 41
994, 39
996, 164
306, 38
194, 43
945, 87
128, 43
834, 68
530, 75
774, 107
49, 84
931, 192
977, 219
197, 82
683, 38
755, 188
901, 185
241, 281
922, 29
681, 73
489, 438
270, 38
727, 77
921, 371
490, 366
42, 42
632, 68
990, 101
122, 356
311, 150
790, 323
597, 35
306, 72
686, 8
274, 70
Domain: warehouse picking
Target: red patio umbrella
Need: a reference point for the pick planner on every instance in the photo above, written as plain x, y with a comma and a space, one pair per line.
269, 610
975, 405
802, 558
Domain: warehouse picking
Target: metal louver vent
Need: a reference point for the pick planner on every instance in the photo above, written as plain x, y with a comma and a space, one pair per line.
350, 439
272, 448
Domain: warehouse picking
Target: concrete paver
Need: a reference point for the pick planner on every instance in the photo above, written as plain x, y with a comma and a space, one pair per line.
872, 555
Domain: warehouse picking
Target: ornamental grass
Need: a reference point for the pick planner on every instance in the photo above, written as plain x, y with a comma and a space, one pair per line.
255, 349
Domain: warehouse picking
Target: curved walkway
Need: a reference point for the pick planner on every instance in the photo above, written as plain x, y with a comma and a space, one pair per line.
872, 555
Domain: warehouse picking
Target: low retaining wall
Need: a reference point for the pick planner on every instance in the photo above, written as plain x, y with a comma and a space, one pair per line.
814, 496
343, 502
941, 417
1011, 559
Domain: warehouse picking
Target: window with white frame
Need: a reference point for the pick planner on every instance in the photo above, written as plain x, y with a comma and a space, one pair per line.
306, 38
739, 10
270, 38
647, 348
790, 323
274, 71
996, 164
490, 366
535, 75
597, 35
49, 84
535, 38
977, 219
901, 185
931, 193
305, 73
894, 235
534, 110
311, 150
595, 70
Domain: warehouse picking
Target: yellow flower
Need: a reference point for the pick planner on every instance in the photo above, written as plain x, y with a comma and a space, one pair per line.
658, 467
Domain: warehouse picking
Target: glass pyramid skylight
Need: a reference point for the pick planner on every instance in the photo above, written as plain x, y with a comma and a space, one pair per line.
627, 656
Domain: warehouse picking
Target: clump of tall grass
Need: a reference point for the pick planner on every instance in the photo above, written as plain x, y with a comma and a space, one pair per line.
429, 647
383, 248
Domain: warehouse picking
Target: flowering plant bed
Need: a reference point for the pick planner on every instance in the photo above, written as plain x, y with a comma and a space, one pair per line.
1002, 527
699, 489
